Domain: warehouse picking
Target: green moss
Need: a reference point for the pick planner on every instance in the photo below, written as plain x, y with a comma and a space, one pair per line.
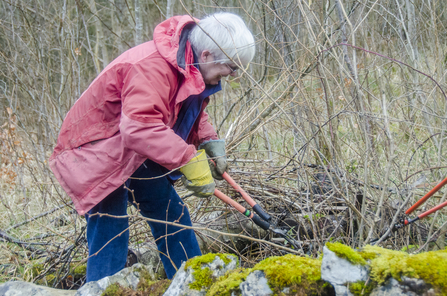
292, 270
346, 252
144, 287
410, 248
36, 269
228, 283
148, 286
50, 279
386, 263
144, 275
153, 288
198, 261
301, 275
359, 288
429, 266
47, 280
367, 255
115, 290
203, 277
80, 269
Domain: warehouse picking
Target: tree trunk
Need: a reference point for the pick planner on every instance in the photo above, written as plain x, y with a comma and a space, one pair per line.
138, 23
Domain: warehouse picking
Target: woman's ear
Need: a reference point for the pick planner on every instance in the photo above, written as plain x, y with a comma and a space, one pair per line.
205, 56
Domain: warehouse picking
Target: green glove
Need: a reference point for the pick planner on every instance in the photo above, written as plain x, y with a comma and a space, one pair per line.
216, 150
197, 175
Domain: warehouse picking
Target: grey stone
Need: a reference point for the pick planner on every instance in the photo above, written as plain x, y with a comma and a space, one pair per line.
255, 285
128, 278
391, 288
339, 272
408, 286
180, 283
19, 288
416, 285
148, 255
341, 290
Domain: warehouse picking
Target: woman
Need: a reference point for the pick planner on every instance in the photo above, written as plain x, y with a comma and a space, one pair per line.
142, 117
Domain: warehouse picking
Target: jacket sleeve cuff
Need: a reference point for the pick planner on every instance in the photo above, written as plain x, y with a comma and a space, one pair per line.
211, 140
189, 154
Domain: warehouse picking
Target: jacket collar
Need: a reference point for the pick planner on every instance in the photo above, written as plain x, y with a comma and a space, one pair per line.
181, 57
173, 45
175, 48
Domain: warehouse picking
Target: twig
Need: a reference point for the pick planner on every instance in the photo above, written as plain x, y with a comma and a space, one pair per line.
388, 58
36, 217
24, 245
211, 230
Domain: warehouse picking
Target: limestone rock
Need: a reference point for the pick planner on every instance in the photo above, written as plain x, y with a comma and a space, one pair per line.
182, 279
339, 272
407, 287
128, 278
255, 285
391, 287
148, 255
19, 288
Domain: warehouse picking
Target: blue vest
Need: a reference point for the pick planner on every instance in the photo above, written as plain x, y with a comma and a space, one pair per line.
189, 112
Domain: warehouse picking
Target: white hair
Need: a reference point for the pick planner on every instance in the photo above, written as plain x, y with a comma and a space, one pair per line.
227, 31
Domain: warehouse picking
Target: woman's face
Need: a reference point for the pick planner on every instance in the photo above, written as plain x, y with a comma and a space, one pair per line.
213, 72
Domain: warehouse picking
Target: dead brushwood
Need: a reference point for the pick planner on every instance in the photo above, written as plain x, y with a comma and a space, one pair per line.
336, 127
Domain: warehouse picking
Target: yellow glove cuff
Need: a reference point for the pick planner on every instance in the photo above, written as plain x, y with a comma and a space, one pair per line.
197, 170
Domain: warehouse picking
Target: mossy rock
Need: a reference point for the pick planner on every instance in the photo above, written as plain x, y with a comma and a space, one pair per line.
295, 272
115, 290
203, 276
301, 275
361, 288
229, 283
153, 288
384, 263
430, 266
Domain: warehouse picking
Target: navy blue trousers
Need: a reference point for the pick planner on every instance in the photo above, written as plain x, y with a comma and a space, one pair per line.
108, 237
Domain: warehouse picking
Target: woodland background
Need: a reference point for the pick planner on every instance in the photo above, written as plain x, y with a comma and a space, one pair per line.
336, 127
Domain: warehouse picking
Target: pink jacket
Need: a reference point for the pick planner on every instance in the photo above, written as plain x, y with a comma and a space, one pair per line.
126, 115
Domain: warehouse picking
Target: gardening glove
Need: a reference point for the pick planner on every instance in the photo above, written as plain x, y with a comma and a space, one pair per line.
197, 176
216, 150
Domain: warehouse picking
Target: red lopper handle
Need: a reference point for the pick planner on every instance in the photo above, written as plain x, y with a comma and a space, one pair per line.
257, 208
425, 197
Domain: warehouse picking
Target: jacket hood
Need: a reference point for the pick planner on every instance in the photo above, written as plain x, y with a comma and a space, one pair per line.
172, 45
